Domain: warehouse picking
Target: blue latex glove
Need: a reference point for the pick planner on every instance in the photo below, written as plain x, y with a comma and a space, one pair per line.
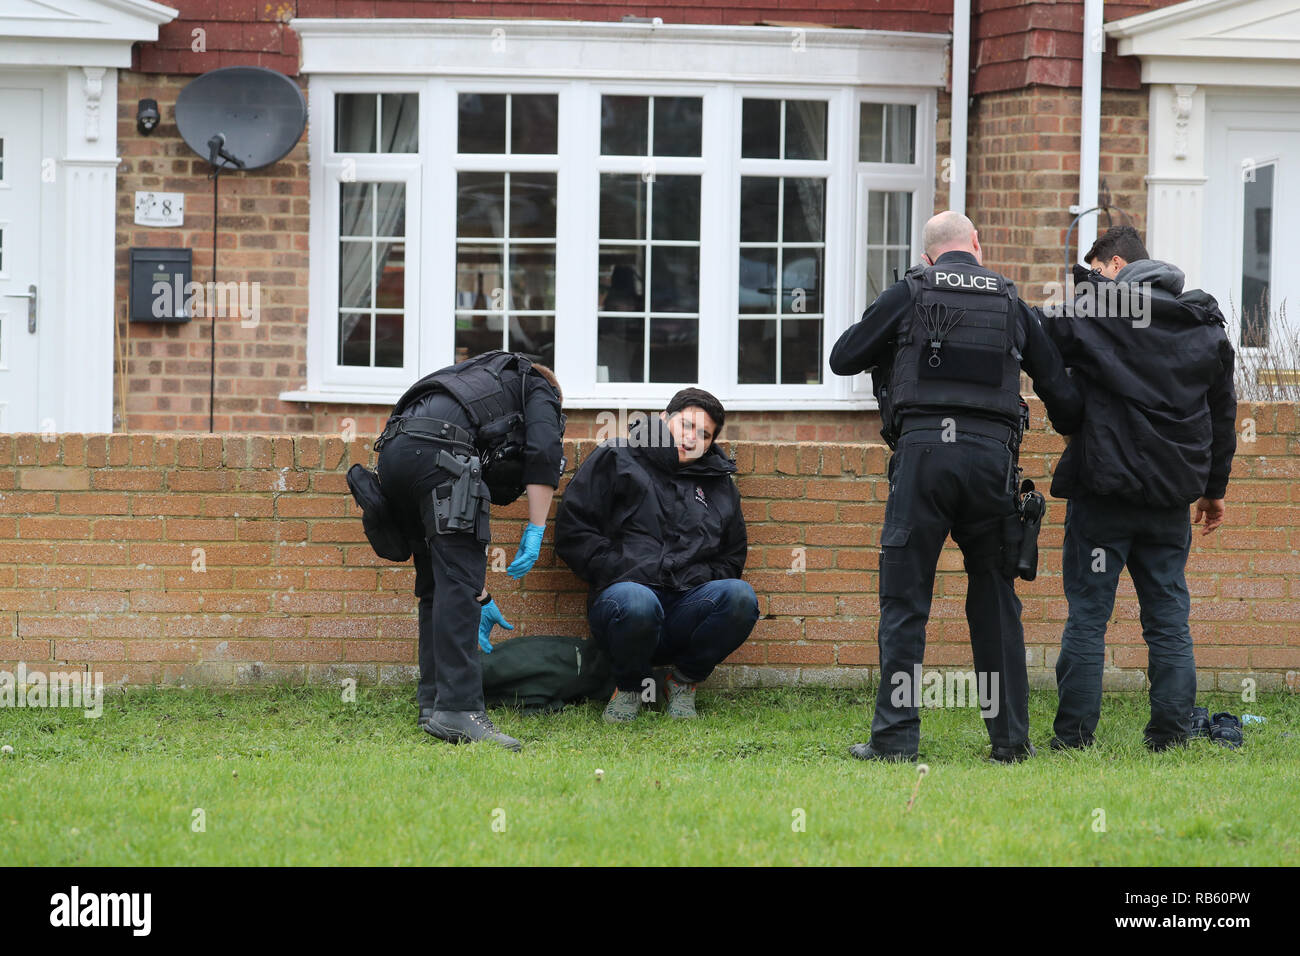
530, 544
487, 619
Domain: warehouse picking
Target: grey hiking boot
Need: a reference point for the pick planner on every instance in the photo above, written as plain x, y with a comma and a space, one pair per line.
622, 707
681, 696
466, 726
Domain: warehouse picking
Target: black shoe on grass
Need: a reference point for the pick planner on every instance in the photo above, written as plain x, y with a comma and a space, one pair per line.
466, 726
1200, 722
867, 752
1225, 729
1013, 754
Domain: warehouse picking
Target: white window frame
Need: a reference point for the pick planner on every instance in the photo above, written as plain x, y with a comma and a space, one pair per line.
580, 62
327, 177
917, 178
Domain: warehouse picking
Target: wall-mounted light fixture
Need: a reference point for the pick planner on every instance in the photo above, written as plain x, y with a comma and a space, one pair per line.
146, 117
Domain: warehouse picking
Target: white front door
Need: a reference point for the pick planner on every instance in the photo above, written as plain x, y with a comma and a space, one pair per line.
1252, 235
21, 126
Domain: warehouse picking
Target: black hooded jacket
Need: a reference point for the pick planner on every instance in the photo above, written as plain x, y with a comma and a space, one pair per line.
631, 513
1155, 368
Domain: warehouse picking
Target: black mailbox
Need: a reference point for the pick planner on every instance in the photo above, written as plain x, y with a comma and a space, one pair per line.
160, 284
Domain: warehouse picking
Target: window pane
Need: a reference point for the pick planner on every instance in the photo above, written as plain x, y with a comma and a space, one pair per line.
355, 123
676, 207
758, 208
532, 205
392, 276
354, 338
674, 279
480, 284
900, 219
805, 202
758, 281
624, 125
674, 350
390, 209
801, 351
388, 341
802, 281
1256, 255
532, 277
480, 205
400, 123
871, 133
760, 129
534, 335
621, 286
481, 123
476, 334
887, 133
356, 209
620, 349
678, 125
356, 274
622, 206
805, 129
756, 358
534, 123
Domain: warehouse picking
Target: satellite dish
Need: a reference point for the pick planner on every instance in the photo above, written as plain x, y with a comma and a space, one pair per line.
241, 117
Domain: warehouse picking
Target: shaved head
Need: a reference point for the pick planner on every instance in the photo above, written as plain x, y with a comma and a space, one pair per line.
948, 232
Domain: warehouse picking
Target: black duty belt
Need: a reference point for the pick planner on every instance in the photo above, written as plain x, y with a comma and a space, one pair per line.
1006, 433
428, 429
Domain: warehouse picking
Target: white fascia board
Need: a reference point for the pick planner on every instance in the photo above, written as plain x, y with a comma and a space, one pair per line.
1235, 73
77, 32
577, 49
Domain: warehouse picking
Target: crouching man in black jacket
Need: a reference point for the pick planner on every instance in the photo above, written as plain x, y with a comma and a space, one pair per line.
1154, 366
652, 523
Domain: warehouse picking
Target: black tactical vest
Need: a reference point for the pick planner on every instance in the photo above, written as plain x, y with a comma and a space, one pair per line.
958, 348
493, 399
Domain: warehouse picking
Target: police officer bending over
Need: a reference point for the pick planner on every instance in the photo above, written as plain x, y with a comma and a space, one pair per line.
482, 431
945, 346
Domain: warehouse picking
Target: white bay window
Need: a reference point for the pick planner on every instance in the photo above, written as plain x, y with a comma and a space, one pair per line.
642, 208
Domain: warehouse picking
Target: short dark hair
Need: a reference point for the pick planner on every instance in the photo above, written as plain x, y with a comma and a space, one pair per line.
698, 398
1122, 241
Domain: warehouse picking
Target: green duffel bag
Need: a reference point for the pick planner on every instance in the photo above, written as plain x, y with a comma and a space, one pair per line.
540, 673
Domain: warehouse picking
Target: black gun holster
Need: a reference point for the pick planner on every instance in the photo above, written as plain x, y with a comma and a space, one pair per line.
1020, 534
459, 505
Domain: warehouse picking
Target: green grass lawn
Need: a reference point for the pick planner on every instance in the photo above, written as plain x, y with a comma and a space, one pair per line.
294, 776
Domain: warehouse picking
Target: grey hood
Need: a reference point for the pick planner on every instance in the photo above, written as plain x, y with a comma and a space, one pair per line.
1162, 275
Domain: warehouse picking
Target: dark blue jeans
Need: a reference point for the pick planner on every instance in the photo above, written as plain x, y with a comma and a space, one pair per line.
695, 630
1102, 535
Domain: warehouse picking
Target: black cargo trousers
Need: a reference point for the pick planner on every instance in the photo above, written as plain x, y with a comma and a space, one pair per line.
957, 479
449, 574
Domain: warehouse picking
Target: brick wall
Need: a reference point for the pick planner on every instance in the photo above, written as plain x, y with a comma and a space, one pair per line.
1024, 175
98, 539
263, 232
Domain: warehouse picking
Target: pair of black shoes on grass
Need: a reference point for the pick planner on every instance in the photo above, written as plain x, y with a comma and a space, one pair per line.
1223, 728
999, 754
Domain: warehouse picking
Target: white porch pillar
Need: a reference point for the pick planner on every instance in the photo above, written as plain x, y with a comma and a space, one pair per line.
87, 175
1176, 177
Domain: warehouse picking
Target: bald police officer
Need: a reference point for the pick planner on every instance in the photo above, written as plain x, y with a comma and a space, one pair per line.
945, 346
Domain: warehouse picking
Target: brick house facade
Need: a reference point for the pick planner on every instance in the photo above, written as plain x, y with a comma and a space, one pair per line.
1023, 175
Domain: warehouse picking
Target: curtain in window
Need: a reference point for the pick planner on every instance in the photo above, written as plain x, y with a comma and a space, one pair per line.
400, 134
